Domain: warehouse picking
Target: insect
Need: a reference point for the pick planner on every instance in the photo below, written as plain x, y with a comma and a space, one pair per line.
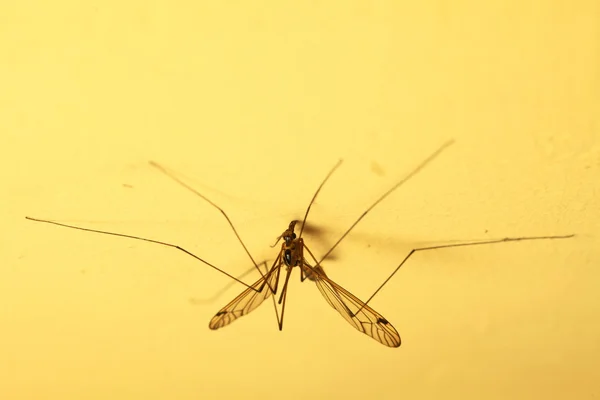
292, 254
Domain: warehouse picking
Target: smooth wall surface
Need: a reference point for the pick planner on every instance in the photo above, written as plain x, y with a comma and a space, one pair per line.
251, 104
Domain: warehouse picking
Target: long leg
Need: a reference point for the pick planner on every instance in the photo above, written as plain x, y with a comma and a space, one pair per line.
400, 183
150, 241
315, 196
312, 201
229, 284
283, 296
191, 189
446, 246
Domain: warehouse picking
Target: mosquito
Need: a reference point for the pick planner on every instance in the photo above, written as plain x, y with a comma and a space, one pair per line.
292, 254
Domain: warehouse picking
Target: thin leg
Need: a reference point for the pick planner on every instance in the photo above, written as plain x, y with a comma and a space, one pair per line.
185, 185
145, 240
220, 292
386, 194
315, 195
446, 246
283, 296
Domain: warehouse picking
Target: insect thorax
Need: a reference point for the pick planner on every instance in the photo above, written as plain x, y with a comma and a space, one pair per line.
293, 253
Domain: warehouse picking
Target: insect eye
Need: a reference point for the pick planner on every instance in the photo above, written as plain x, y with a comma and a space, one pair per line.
293, 236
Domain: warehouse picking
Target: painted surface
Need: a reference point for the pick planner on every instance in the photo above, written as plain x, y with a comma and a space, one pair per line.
252, 103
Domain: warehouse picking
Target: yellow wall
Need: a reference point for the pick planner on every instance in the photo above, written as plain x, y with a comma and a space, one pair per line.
252, 103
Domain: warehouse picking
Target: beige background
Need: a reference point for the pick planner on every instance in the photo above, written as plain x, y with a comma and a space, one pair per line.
252, 103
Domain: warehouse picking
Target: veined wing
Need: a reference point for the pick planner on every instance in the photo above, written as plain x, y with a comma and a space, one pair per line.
249, 299
359, 315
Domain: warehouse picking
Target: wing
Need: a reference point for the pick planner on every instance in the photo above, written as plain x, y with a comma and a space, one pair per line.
359, 315
249, 299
